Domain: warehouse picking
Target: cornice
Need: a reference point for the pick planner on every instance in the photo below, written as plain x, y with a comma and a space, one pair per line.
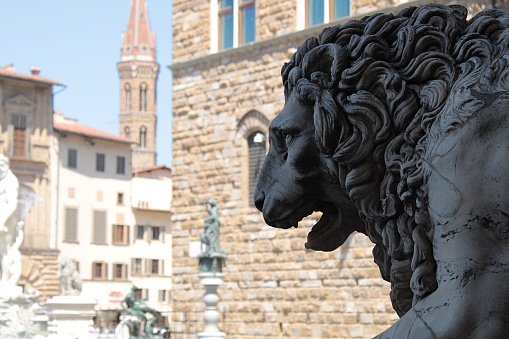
253, 48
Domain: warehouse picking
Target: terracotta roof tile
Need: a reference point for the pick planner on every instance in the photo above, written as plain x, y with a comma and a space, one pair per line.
151, 168
89, 132
37, 78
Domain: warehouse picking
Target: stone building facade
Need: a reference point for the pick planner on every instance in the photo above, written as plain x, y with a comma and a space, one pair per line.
26, 129
221, 99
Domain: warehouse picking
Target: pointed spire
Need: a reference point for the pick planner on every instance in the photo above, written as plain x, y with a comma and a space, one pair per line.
138, 41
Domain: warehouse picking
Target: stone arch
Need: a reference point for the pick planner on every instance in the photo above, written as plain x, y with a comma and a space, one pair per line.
252, 123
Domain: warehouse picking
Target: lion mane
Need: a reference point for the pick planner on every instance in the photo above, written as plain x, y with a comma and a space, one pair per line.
384, 89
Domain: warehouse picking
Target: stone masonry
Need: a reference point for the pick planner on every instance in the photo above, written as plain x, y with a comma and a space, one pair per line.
273, 287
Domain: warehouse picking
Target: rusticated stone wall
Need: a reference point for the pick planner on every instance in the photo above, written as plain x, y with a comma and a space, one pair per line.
273, 286
40, 271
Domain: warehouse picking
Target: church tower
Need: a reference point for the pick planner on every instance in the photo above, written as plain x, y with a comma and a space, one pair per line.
138, 72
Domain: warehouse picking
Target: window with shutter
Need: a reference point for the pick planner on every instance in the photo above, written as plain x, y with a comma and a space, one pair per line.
71, 225
19, 121
119, 271
99, 227
99, 270
257, 150
155, 267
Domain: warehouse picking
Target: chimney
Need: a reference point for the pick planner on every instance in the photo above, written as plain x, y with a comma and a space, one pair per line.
35, 70
10, 67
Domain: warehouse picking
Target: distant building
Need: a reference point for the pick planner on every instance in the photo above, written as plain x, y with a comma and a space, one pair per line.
113, 225
138, 70
26, 129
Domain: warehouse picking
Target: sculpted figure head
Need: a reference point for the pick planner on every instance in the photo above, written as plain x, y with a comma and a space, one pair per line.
4, 166
367, 107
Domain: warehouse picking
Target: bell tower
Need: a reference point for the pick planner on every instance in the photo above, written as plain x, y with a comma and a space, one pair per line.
138, 71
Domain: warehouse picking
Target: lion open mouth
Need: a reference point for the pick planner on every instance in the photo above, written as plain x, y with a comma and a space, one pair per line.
324, 234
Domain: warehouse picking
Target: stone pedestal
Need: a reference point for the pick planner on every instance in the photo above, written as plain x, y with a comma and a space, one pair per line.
71, 317
211, 281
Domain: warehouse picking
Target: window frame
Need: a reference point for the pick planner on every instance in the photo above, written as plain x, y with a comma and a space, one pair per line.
95, 241
242, 7
123, 239
255, 154
66, 236
19, 135
120, 165
134, 266
332, 10
104, 270
163, 296
143, 232
154, 267
99, 162
115, 238
123, 271
236, 11
153, 233
72, 154
328, 13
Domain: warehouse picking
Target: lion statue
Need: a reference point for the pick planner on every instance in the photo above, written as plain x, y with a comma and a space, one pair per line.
396, 126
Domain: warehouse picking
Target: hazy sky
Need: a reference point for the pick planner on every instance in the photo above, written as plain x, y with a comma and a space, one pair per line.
77, 43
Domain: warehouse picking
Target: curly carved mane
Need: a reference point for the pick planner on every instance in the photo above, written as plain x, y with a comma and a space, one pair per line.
384, 89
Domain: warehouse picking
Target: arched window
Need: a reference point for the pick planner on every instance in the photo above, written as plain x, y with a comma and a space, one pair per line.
128, 106
257, 150
143, 137
143, 97
127, 132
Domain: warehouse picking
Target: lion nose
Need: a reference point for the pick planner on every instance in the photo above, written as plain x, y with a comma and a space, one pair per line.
259, 197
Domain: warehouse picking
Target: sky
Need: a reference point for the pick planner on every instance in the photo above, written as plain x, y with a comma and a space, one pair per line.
77, 43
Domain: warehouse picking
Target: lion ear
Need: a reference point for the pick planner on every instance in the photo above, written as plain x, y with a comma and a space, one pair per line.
324, 64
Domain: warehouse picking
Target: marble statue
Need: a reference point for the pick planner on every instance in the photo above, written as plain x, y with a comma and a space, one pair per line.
11, 236
134, 317
70, 280
396, 126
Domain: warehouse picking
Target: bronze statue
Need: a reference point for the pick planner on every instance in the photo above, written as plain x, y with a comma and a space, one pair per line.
134, 315
210, 237
212, 258
396, 126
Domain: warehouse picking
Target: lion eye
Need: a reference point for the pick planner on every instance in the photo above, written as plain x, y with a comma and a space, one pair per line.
288, 139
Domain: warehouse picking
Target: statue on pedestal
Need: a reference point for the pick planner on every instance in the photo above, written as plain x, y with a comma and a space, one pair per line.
212, 258
396, 126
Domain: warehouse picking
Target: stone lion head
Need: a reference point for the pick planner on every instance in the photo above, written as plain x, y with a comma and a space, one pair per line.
366, 104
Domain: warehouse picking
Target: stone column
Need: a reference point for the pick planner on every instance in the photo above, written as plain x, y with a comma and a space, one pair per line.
211, 281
